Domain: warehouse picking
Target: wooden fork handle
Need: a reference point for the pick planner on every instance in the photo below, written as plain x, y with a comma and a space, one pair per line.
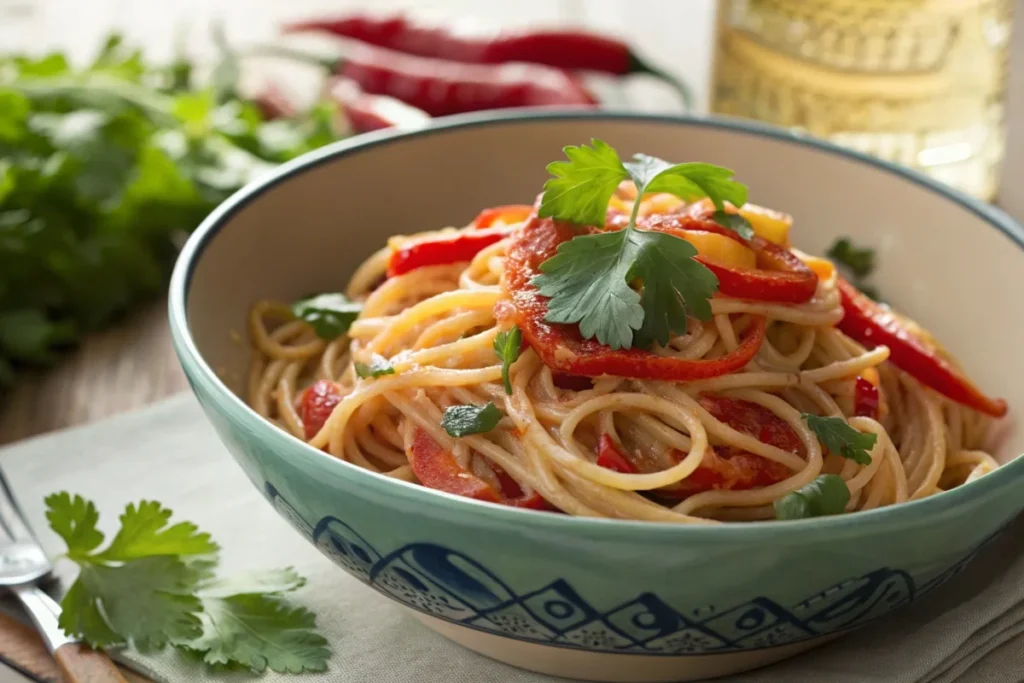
79, 663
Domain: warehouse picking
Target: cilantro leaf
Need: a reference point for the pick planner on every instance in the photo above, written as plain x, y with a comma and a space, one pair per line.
245, 583
734, 222
330, 315
579, 189
465, 420
147, 601
507, 345
144, 533
842, 439
259, 632
826, 495
377, 367
859, 260
74, 519
589, 280
586, 282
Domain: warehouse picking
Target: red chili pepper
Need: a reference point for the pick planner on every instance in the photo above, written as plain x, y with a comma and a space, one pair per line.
873, 325
461, 246
780, 276
438, 469
564, 49
274, 104
439, 87
365, 113
865, 398
723, 467
562, 348
511, 213
318, 402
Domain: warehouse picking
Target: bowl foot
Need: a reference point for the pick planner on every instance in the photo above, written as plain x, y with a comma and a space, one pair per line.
608, 667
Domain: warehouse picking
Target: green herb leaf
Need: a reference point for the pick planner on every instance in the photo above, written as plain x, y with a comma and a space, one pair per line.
842, 439
272, 581
589, 280
259, 632
826, 495
859, 260
147, 602
74, 519
579, 189
377, 367
465, 420
735, 222
507, 345
330, 315
144, 533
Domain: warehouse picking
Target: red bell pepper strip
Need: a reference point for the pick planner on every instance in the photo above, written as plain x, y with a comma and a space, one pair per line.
873, 325
723, 467
436, 251
779, 277
438, 469
317, 404
865, 398
274, 104
439, 87
564, 49
562, 348
511, 213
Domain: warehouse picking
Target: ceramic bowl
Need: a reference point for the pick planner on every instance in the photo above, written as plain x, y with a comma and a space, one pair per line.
600, 599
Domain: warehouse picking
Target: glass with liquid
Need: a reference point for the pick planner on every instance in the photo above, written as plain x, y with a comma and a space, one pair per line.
917, 82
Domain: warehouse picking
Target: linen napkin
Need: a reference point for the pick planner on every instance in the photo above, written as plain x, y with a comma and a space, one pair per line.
970, 630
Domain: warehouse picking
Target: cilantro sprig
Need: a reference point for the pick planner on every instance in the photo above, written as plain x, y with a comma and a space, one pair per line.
842, 439
153, 585
469, 419
826, 495
330, 315
377, 367
590, 281
507, 345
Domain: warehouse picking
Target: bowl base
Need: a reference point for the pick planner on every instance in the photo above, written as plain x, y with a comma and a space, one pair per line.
612, 668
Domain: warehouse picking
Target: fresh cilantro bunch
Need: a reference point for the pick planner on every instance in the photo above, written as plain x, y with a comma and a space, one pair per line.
592, 279
103, 170
153, 585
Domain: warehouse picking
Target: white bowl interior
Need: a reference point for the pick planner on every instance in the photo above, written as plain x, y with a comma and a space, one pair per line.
939, 261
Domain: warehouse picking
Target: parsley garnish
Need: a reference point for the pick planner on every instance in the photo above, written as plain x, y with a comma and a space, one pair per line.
377, 367
842, 439
506, 345
826, 495
857, 263
588, 280
154, 585
330, 315
465, 420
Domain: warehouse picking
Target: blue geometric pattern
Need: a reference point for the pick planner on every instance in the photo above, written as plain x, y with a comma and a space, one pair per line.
449, 585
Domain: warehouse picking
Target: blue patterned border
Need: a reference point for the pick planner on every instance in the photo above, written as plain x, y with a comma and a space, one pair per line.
451, 586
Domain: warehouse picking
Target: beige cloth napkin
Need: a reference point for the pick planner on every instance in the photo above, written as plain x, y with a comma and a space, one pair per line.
972, 630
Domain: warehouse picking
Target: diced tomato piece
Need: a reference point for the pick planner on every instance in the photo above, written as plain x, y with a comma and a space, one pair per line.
318, 403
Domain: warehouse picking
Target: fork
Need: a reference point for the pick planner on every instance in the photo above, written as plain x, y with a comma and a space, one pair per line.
23, 565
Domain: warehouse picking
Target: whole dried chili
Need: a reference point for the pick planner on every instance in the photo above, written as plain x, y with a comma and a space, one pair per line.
440, 87
572, 50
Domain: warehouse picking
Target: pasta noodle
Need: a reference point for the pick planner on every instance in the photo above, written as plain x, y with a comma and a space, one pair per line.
436, 325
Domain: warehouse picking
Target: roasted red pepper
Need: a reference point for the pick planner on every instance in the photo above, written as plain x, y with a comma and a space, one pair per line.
865, 398
562, 348
570, 50
873, 325
780, 276
317, 404
440, 87
723, 467
511, 213
436, 251
438, 469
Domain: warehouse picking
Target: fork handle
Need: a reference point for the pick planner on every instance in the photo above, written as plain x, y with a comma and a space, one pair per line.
81, 664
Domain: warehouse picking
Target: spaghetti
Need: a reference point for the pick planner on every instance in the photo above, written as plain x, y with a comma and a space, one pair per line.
724, 444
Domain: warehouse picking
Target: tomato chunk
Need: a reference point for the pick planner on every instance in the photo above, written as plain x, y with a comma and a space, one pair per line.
317, 404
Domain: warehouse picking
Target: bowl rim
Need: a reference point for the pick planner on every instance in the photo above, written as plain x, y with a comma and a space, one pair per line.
911, 512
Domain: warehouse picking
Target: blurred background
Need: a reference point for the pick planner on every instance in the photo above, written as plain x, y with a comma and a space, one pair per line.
123, 122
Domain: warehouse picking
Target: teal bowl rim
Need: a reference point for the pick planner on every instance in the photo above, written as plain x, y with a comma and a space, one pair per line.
855, 524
